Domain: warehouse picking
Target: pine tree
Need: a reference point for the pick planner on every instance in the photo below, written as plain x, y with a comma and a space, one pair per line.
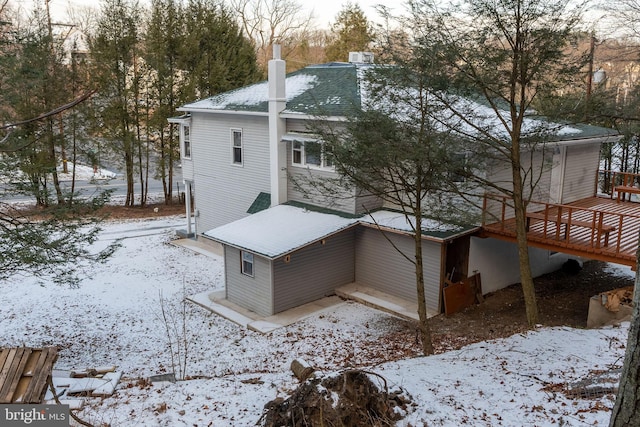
115, 52
351, 32
216, 56
52, 240
163, 44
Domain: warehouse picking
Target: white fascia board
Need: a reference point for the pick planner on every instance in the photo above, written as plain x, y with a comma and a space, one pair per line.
286, 115
234, 112
179, 120
593, 140
301, 137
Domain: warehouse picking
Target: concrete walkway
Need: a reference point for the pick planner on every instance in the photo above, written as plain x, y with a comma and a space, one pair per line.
381, 301
216, 303
207, 248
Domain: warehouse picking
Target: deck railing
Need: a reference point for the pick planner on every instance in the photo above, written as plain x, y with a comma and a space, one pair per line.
579, 228
609, 181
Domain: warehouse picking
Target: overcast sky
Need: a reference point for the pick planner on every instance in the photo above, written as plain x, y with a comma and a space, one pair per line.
325, 11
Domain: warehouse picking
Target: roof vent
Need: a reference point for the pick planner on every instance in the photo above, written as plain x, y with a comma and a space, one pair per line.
361, 57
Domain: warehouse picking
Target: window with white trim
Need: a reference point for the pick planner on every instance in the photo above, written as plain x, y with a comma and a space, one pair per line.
186, 141
236, 147
246, 263
312, 154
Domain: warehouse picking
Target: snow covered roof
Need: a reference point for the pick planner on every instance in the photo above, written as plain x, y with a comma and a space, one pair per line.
277, 231
326, 89
398, 221
336, 88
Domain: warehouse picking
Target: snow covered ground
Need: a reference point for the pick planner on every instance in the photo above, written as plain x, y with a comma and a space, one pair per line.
83, 172
115, 318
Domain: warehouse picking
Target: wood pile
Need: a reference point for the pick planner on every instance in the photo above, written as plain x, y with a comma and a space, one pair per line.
610, 308
612, 300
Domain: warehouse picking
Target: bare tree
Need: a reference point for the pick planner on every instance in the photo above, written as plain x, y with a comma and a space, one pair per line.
268, 22
626, 16
510, 53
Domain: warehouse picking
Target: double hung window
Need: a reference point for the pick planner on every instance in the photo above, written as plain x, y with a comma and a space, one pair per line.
186, 141
236, 147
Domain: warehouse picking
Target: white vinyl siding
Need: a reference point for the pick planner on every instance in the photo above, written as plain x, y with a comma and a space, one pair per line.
538, 166
580, 172
365, 202
297, 125
299, 190
497, 262
225, 191
237, 154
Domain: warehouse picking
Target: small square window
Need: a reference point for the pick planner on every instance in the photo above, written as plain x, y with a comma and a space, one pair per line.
247, 263
236, 147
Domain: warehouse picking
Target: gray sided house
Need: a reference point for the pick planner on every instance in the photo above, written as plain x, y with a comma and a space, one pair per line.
286, 256
284, 247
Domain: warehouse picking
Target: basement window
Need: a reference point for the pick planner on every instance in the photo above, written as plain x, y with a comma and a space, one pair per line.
246, 263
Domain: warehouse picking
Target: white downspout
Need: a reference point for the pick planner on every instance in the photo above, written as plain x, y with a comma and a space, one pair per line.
187, 203
277, 149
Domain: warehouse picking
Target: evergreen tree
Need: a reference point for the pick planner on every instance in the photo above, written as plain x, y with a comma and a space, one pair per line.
216, 56
53, 239
394, 150
115, 52
163, 44
36, 83
351, 32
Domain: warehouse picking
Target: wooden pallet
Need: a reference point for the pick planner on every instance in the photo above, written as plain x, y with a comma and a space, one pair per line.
24, 373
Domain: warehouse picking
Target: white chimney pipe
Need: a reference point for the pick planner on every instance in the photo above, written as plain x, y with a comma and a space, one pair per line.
277, 125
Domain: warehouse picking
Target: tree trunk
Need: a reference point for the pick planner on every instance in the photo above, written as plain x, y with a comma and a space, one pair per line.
130, 200
53, 163
526, 278
626, 411
425, 331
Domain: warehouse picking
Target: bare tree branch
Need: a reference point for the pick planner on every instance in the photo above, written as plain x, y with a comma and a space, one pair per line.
53, 112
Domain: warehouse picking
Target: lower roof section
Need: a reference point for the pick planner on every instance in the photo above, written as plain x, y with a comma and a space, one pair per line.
282, 229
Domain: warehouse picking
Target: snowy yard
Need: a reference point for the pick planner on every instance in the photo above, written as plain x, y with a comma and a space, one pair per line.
115, 318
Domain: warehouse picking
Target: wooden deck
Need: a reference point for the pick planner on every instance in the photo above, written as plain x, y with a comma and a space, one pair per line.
599, 228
